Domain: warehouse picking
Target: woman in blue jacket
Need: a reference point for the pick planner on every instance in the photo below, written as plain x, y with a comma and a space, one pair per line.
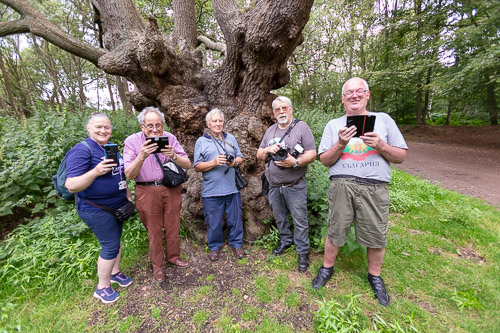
99, 180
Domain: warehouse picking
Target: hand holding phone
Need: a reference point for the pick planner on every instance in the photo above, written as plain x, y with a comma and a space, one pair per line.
111, 152
161, 141
363, 123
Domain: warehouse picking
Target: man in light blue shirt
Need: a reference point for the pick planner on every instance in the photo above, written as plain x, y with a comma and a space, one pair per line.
216, 153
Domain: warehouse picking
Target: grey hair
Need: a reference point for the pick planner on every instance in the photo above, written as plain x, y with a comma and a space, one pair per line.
148, 109
364, 82
212, 112
97, 115
282, 99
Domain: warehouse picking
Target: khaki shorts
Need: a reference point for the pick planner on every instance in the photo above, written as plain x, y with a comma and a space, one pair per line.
365, 204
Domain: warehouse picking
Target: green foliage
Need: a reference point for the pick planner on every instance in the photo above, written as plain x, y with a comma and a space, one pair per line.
263, 287
155, 312
48, 252
200, 317
332, 316
445, 50
317, 202
292, 300
30, 152
54, 250
268, 290
466, 299
407, 192
382, 325
269, 240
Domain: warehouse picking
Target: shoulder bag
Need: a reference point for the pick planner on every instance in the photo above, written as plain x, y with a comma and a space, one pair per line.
173, 174
121, 214
240, 181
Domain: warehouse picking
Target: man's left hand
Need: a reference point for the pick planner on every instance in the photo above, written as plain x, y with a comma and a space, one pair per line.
372, 139
168, 151
288, 162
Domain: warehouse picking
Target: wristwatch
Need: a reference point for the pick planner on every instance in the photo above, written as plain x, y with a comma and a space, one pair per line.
174, 158
296, 166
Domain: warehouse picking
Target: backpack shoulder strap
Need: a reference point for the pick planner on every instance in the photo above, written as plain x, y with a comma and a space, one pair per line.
87, 145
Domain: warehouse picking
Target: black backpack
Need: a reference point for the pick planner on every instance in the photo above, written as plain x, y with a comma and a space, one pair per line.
60, 178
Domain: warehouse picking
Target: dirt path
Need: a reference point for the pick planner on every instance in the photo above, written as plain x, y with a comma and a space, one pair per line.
463, 159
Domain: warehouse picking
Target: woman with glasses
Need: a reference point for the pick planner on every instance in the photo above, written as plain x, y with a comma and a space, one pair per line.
216, 153
98, 180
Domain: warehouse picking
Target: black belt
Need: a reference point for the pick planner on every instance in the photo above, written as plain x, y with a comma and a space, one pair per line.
292, 183
157, 183
359, 180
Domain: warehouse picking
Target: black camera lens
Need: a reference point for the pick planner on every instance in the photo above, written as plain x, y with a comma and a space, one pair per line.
229, 158
280, 155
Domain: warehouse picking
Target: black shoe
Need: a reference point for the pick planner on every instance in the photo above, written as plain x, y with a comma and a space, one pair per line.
280, 248
378, 287
324, 274
303, 262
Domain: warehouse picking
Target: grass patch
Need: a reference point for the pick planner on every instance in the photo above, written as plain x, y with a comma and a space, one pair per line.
441, 269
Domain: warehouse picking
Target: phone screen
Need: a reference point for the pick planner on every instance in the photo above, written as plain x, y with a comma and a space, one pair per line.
363, 123
111, 152
161, 141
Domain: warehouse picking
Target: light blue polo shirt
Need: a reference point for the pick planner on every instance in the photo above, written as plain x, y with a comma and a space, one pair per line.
218, 181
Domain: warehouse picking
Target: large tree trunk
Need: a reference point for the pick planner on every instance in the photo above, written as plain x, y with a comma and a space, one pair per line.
167, 72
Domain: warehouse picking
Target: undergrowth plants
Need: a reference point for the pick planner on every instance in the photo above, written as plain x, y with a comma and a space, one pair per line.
30, 155
52, 251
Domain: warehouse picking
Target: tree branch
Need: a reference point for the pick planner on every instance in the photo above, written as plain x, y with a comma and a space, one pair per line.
39, 26
14, 27
227, 15
215, 46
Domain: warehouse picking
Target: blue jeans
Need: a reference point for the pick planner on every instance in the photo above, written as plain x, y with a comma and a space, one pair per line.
213, 210
107, 230
293, 200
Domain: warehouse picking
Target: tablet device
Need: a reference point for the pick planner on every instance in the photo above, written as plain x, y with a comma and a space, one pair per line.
363, 123
161, 141
111, 152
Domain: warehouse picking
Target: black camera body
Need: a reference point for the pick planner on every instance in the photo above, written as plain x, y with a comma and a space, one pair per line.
229, 158
282, 154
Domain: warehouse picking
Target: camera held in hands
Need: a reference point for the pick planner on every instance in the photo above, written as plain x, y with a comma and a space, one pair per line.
282, 154
229, 158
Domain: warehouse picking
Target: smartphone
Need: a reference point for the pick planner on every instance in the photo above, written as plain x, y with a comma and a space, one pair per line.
363, 123
111, 152
161, 141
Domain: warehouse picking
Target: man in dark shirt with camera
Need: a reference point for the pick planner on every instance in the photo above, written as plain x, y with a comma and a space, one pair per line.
288, 147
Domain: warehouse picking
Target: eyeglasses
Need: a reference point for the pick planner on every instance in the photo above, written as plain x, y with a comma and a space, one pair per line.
284, 108
350, 93
151, 126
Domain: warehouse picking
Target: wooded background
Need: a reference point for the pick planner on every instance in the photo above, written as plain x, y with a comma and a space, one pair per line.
423, 59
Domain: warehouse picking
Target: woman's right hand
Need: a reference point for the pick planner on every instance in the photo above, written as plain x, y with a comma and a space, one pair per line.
105, 166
